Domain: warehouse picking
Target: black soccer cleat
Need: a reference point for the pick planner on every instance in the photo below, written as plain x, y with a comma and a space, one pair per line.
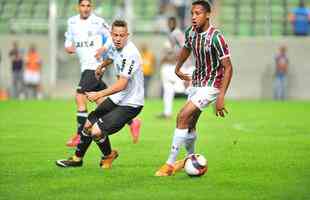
69, 163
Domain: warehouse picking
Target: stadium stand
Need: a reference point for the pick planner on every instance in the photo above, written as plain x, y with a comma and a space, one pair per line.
237, 17
255, 17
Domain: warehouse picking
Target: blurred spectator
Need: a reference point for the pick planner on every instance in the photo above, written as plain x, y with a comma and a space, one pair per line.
168, 79
17, 71
280, 81
177, 39
149, 63
119, 9
161, 20
300, 19
164, 3
32, 74
181, 7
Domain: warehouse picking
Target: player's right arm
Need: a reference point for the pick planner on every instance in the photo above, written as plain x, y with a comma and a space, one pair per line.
69, 42
102, 67
106, 39
181, 58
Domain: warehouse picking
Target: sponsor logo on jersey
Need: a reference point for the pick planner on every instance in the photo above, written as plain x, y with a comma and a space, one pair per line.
123, 65
82, 44
130, 67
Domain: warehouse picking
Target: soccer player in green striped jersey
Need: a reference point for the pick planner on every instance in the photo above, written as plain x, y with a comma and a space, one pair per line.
210, 81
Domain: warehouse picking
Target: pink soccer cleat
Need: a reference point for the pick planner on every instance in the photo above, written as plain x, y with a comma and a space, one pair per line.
135, 130
74, 141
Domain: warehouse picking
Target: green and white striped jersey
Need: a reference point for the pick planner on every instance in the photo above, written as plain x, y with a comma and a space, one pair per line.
208, 48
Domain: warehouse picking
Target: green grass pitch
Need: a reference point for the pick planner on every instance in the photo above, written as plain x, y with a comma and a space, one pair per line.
261, 150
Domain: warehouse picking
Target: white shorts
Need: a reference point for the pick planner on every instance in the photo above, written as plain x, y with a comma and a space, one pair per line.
202, 96
170, 79
31, 77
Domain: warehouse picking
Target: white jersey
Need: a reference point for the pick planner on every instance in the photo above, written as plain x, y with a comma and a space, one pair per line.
87, 36
177, 41
128, 63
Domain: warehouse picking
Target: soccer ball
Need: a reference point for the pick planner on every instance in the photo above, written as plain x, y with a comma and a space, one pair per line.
196, 165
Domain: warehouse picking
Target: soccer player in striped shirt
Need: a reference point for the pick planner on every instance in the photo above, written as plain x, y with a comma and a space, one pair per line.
210, 81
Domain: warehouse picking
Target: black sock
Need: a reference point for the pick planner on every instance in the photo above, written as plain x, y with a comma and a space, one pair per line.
83, 145
81, 117
104, 145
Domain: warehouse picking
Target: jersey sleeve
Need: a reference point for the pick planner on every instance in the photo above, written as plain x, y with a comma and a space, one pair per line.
219, 43
105, 41
110, 53
187, 44
68, 35
105, 32
129, 66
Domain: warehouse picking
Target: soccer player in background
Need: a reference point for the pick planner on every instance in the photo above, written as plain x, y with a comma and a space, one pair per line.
125, 99
171, 83
210, 81
89, 37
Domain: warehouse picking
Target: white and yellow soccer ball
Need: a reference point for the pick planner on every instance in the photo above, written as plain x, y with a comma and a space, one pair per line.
196, 165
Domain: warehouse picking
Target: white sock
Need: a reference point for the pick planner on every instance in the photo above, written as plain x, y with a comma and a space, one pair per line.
168, 97
179, 138
190, 142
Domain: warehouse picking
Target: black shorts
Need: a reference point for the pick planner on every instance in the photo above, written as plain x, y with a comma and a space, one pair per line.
111, 117
89, 82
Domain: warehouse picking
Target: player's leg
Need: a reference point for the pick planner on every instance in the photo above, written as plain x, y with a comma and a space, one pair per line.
110, 124
192, 134
168, 96
134, 127
182, 130
168, 79
88, 82
81, 116
189, 141
198, 99
179, 138
85, 141
77, 159
86, 137
103, 141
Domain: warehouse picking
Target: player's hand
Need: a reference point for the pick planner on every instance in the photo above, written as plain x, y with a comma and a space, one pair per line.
99, 72
182, 76
220, 110
99, 52
93, 96
70, 50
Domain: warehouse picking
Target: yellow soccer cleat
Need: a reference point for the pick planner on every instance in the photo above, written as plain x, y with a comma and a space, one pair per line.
106, 162
165, 170
179, 165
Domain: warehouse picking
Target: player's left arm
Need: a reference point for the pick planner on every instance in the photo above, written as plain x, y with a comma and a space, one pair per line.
118, 86
223, 54
228, 70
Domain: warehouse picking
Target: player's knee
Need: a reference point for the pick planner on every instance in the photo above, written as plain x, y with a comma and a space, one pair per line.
81, 101
87, 124
192, 126
182, 118
95, 131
